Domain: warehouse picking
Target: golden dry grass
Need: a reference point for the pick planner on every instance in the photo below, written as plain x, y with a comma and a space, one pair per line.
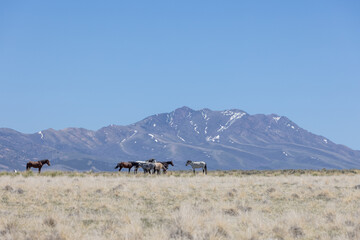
221, 205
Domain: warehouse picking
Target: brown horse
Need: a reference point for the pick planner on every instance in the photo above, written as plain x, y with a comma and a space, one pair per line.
38, 164
166, 164
128, 165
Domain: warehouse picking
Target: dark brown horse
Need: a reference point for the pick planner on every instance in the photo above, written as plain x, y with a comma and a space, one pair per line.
128, 165
38, 164
166, 164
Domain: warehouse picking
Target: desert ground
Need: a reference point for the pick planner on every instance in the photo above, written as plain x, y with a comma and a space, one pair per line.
221, 205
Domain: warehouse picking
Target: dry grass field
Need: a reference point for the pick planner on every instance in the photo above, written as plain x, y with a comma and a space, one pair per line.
221, 205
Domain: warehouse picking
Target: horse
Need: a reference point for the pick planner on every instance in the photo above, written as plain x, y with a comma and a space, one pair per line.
128, 165
197, 165
38, 164
167, 163
147, 165
158, 167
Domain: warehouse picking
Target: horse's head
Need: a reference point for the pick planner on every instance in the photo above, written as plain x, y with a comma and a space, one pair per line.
117, 166
171, 163
188, 162
47, 162
151, 160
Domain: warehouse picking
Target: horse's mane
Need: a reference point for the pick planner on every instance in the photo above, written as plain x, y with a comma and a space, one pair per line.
44, 161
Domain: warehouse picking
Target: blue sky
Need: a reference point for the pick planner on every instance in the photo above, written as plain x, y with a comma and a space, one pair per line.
94, 63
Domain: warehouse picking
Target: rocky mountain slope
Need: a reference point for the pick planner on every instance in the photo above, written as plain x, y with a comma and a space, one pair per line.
230, 139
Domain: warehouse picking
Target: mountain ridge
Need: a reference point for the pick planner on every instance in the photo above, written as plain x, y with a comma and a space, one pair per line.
229, 139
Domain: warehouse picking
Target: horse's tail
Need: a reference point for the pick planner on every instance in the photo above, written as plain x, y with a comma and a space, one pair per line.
205, 168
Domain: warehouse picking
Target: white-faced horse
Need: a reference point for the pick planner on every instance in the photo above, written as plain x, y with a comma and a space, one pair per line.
197, 165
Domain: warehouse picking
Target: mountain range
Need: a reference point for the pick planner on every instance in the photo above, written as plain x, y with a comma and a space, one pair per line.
230, 139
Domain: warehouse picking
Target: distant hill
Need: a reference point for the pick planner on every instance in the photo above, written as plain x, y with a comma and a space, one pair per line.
230, 139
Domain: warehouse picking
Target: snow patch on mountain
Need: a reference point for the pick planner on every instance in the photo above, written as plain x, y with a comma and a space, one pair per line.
213, 139
180, 137
205, 116
135, 132
289, 125
170, 119
41, 135
233, 118
276, 119
195, 127
153, 137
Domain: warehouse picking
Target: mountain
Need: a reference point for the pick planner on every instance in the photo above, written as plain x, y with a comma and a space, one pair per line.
231, 139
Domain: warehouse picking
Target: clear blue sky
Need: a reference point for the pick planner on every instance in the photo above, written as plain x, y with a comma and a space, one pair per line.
94, 63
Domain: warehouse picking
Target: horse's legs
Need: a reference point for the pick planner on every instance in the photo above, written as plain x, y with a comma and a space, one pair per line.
194, 170
120, 169
39, 169
129, 169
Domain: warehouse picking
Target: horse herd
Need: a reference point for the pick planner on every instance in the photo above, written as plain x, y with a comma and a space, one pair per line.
147, 166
